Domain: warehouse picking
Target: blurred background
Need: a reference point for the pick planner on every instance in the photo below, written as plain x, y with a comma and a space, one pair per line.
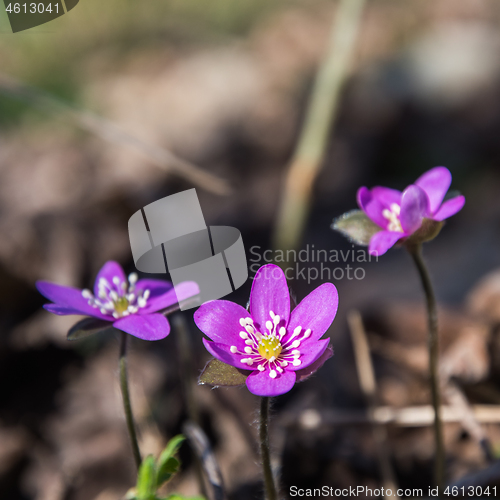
224, 86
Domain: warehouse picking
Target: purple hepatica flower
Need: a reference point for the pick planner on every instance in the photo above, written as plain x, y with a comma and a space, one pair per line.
400, 214
278, 346
131, 305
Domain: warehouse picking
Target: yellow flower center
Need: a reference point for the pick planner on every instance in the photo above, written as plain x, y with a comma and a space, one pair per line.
270, 347
121, 304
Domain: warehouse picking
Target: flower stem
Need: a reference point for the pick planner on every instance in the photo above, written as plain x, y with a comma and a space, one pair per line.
264, 450
433, 345
126, 400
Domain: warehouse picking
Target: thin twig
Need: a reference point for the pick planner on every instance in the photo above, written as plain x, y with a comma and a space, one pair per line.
367, 381
185, 353
108, 131
410, 416
199, 441
321, 114
457, 398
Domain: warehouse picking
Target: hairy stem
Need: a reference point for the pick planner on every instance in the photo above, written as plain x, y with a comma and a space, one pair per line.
433, 345
126, 400
264, 450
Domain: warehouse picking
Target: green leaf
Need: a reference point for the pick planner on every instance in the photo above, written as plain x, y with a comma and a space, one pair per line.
167, 463
87, 327
167, 470
356, 226
217, 373
146, 479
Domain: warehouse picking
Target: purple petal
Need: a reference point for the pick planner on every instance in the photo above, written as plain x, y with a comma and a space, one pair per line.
220, 321
435, 183
269, 293
414, 207
310, 351
150, 327
223, 353
372, 207
63, 310
70, 298
307, 372
382, 241
449, 208
163, 294
261, 384
316, 311
387, 196
108, 272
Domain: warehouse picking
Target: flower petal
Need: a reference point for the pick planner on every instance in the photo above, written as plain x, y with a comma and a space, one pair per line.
220, 321
414, 207
162, 294
269, 293
108, 272
223, 353
70, 298
307, 372
387, 196
382, 241
372, 207
310, 351
450, 207
316, 311
61, 310
150, 327
435, 183
261, 384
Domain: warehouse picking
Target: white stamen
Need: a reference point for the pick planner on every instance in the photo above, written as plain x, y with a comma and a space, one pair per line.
132, 278
279, 369
282, 331
243, 322
296, 343
244, 335
269, 326
273, 374
297, 330
260, 368
296, 362
234, 349
146, 294
87, 294
116, 280
248, 350
249, 342
307, 334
